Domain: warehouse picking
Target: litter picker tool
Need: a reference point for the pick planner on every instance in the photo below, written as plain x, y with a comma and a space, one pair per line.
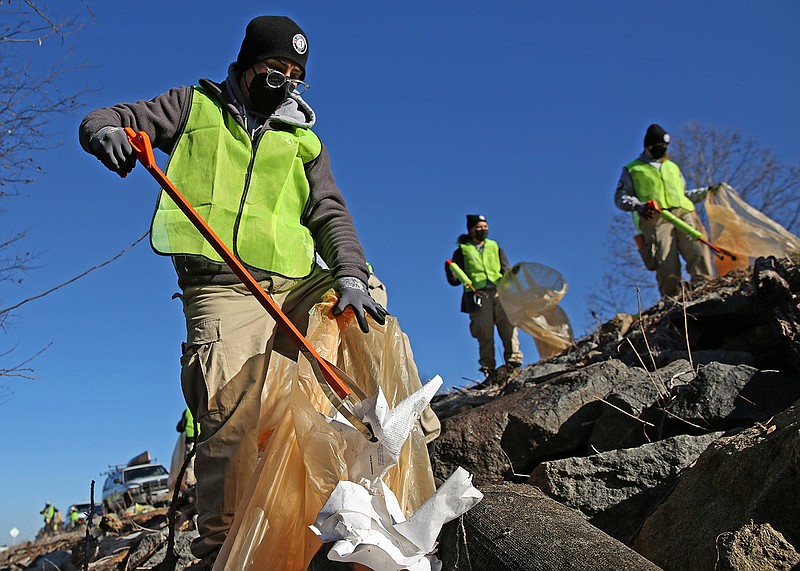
461, 275
343, 392
689, 230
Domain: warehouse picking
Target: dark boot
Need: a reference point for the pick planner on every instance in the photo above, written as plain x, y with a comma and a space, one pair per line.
489, 381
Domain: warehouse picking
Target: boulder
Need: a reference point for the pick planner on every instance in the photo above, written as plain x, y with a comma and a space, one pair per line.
756, 547
618, 490
748, 476
518, 528
624, 421
511, 434
725, 396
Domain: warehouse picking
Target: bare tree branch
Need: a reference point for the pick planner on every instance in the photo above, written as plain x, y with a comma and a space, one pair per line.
69, 281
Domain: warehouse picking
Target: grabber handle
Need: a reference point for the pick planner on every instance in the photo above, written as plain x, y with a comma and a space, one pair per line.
460, 274
689, 230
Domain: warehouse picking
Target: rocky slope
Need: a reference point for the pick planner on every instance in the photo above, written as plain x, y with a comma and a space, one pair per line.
674, 432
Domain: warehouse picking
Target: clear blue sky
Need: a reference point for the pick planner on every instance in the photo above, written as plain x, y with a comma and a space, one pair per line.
523, 111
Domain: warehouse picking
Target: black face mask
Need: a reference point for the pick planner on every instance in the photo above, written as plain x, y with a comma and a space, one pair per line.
264, 98
658, 151
481, 235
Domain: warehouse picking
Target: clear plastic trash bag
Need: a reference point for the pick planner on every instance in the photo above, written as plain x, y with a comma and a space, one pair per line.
530, 294
302, 456
743, 230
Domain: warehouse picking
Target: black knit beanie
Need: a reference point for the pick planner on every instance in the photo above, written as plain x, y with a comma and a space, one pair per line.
656, 135
272, 36
473, 219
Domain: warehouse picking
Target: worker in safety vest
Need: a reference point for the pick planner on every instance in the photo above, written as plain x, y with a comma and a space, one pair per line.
485, 262
190, 428
74, 517
654, 177
49, 514
243, 153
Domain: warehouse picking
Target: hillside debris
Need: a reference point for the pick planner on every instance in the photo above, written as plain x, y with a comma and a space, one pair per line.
618, 426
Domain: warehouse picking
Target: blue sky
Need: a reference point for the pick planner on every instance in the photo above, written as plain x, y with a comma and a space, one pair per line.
522, 111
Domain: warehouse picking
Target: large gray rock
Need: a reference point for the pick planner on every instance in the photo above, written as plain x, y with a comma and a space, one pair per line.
726, 396
625, 421
618, 490
514, 432
756, 547
518, 528
750, 476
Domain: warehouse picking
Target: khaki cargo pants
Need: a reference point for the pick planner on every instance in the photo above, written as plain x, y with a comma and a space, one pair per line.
226, 355
665, 243
482, 322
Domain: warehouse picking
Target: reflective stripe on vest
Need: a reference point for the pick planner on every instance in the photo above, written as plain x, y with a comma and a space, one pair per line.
482, 267
251, 194
664, 185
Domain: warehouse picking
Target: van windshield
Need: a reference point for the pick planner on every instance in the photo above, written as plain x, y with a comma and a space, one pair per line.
144, 472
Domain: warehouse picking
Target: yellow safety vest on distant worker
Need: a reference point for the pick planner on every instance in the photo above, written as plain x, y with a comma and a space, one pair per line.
666, 185
252, 193
482, 267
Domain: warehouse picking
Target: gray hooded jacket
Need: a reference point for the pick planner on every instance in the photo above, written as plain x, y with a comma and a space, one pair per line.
326, 215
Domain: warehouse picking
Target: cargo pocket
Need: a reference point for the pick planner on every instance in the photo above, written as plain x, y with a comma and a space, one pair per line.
204, 367
646, 251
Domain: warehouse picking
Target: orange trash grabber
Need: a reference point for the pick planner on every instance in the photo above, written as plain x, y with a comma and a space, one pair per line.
688, 230
329, 376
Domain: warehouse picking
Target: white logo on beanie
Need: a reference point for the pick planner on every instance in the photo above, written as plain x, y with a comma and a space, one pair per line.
666, 137
299, 43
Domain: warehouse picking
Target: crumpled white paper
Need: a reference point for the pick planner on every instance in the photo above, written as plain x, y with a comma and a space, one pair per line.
363, 516
369, 527
391, 426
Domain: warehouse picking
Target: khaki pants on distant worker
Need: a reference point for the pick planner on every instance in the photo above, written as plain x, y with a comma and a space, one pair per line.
665, 243
482, 323
226, 356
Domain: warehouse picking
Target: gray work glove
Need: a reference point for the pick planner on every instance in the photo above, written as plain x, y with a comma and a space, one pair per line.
353, 293
111, 146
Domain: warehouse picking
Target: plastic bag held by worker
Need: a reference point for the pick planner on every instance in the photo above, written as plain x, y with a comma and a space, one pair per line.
304, 455
530, 294
747, 232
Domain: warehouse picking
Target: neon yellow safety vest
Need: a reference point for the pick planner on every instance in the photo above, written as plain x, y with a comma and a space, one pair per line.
189, 427
252, 194
482, 267
665, 185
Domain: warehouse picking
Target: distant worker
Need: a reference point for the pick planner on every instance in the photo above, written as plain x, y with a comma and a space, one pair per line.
75, 517
49, 514
654, 177
190, 430
485, 262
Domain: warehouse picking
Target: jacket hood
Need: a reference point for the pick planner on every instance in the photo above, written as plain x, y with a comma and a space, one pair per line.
293, 111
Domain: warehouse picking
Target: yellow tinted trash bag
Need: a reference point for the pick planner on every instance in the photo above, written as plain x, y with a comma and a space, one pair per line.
743, 230
302, 456
530, 294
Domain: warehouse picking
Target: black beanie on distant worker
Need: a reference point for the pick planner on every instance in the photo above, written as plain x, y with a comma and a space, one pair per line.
473, 219
272, 36
655, 135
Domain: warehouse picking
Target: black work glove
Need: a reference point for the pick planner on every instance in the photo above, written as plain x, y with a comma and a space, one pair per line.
353, 293
111, 146
645, 211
